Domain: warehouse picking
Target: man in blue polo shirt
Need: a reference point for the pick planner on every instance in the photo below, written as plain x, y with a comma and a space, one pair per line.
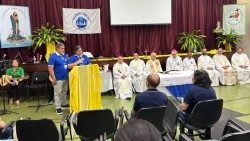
78, 58
151, 97
58, 70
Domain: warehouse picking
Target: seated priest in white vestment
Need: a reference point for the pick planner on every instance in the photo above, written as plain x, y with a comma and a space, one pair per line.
227, 73
206, 63
240, 62
153, 65
189, 63
122, 80
174, 62
136, 68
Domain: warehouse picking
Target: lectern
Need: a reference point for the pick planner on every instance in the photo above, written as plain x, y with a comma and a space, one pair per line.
85, 88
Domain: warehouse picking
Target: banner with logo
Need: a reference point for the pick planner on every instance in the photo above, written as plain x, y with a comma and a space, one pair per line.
15, 28
81, 21
234, 18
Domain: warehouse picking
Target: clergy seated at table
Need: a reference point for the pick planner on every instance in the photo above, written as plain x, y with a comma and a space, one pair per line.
151, 97
78, 58
206, 63
227, 73
189, 63
137, 67
240, 62
153, 65
122, 80
174, 62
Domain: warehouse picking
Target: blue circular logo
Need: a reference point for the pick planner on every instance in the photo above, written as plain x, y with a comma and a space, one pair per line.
81, 20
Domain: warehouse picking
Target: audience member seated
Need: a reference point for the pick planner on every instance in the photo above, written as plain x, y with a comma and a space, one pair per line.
153, 65
200, 91
7, 134
240, 63
174, 62
206, 63
137, 130
189, 63
122, 80
227, 73
15, 81
151, 97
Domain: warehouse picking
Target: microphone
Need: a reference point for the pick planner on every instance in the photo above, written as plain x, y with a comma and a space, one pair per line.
4, 55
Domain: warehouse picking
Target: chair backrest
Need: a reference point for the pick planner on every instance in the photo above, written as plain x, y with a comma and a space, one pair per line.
39, 77
238, 136
154, 115
170, 120
206, 113
232, 127
91, 124
36, 130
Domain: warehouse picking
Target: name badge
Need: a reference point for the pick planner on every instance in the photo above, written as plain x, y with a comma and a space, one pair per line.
65, 66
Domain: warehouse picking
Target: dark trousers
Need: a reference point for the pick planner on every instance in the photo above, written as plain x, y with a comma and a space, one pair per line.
184, 117
15, 91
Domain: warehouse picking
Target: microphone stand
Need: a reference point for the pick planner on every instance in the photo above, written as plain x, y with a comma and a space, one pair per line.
19, 55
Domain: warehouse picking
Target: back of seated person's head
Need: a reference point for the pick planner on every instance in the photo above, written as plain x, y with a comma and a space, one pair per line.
201, 78
138, 130
153, 80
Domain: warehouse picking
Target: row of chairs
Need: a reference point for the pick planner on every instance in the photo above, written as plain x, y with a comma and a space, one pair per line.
89, 125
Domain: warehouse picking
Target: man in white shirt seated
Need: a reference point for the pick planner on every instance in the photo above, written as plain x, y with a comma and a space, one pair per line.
227, 73
122, 80
153, 65
189, 63
206, 63
174, 62
240, 62
137, 67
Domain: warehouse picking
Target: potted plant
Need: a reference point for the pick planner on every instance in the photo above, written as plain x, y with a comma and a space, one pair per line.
46, 35
192, 41
228, 40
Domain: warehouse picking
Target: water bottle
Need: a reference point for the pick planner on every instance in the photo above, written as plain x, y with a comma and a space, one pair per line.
34, 59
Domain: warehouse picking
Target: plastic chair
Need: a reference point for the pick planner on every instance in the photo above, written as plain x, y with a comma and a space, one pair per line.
204, 115
36, 130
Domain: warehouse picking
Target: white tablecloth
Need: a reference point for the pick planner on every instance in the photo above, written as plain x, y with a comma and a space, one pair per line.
174, 78
107, 82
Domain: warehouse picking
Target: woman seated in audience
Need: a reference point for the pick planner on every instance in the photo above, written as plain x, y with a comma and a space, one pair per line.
15, 80
138, 130
200, 91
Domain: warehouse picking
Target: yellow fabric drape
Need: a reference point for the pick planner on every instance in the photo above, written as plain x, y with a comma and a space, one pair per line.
50, 48
85, 88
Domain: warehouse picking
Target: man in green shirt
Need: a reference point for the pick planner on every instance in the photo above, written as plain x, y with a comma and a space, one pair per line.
16, 74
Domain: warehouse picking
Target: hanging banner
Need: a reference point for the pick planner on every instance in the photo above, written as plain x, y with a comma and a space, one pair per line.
81, 21
234, 18
15, 28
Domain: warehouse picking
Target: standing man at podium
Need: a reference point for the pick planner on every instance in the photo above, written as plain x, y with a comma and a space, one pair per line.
78, 58
58, 70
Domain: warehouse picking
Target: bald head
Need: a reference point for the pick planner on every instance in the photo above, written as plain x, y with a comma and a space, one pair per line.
136, 56
153, 80
153, 55
120, 59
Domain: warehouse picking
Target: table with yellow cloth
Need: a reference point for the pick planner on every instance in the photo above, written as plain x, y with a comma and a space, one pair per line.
85, 88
